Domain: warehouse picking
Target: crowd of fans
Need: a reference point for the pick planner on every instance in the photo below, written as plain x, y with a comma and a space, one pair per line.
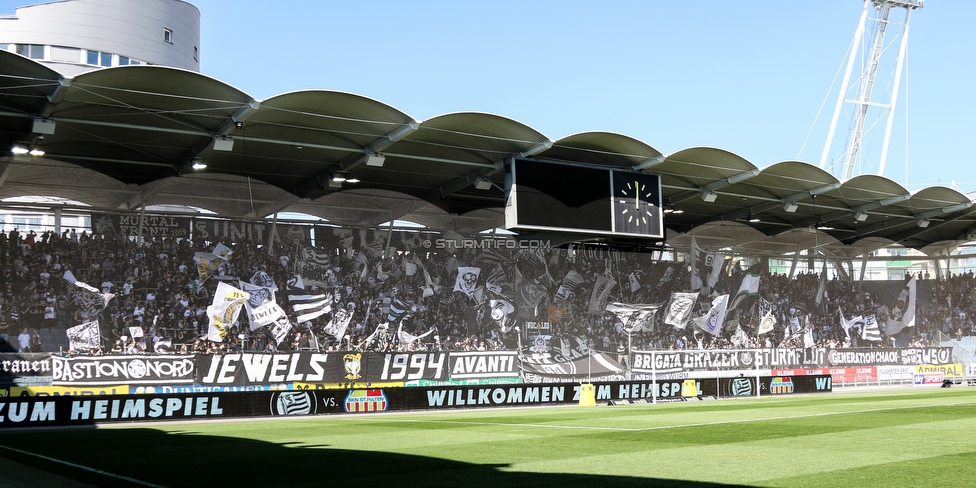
517, 299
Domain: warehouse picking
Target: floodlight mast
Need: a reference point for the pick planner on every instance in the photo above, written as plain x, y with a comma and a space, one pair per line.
866, 84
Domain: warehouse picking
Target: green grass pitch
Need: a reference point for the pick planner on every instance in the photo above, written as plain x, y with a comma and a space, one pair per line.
881, 438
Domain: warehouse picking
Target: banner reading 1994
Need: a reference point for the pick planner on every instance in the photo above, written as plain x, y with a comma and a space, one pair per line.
352, 367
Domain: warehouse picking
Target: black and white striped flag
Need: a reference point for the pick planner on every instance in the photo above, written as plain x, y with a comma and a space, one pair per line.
308, 306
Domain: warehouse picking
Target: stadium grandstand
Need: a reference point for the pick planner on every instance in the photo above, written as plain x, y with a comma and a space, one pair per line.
150, 209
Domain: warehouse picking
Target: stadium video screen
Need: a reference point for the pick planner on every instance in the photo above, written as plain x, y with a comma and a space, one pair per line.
582, 199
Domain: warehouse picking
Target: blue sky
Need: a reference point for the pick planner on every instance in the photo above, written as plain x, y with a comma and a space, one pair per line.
753, 77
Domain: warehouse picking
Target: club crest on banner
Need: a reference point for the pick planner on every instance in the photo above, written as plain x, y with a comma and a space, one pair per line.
352, 363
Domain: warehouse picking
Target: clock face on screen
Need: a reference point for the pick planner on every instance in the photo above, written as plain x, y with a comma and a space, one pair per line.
636, 203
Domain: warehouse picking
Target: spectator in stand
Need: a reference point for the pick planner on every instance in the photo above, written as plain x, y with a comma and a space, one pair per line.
24, 340
159, 286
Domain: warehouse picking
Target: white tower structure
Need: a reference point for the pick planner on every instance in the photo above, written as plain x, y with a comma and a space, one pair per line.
863, 89
74, 36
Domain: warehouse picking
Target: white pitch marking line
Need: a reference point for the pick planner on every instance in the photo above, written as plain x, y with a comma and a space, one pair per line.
86, 468
662, 427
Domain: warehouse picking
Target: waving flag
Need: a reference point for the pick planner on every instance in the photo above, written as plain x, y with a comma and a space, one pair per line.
222, 251
84, 337
705, 267
308, 306
871, 332
680, 308
207, 264
903, 313
89, 299
500, 310
341, 318
713, 321
767, 323
397, 308
224, 310
261, 307
748, 288
467, 279
280, 330
636, 317
739, 338
598, 297
847, 325
406, 338
567, 289
530, 295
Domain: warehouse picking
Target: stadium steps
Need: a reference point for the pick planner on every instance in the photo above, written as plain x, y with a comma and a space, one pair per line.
963, 350
53, 339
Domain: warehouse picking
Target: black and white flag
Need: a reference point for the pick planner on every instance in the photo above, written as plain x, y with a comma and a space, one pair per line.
635, 317
680, 308
261, 307
89, 299
467, 279
308, 306
84, 337
341, 318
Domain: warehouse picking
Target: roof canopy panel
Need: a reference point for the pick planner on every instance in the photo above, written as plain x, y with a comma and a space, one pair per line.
117, 139
602, 149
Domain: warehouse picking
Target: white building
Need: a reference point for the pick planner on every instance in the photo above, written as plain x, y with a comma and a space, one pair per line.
74, 36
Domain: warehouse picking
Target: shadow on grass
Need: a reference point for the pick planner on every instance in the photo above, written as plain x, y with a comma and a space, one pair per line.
189, 459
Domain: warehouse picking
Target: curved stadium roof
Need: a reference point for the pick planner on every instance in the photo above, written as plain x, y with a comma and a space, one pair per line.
127, 136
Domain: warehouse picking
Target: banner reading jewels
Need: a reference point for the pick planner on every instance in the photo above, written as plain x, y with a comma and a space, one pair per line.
117, 370
353, 367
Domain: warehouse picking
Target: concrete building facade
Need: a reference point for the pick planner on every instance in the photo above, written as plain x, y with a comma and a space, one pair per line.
74, 36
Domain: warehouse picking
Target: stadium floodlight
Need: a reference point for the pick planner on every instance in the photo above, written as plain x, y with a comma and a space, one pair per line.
709, 196
790, 207
861, 216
